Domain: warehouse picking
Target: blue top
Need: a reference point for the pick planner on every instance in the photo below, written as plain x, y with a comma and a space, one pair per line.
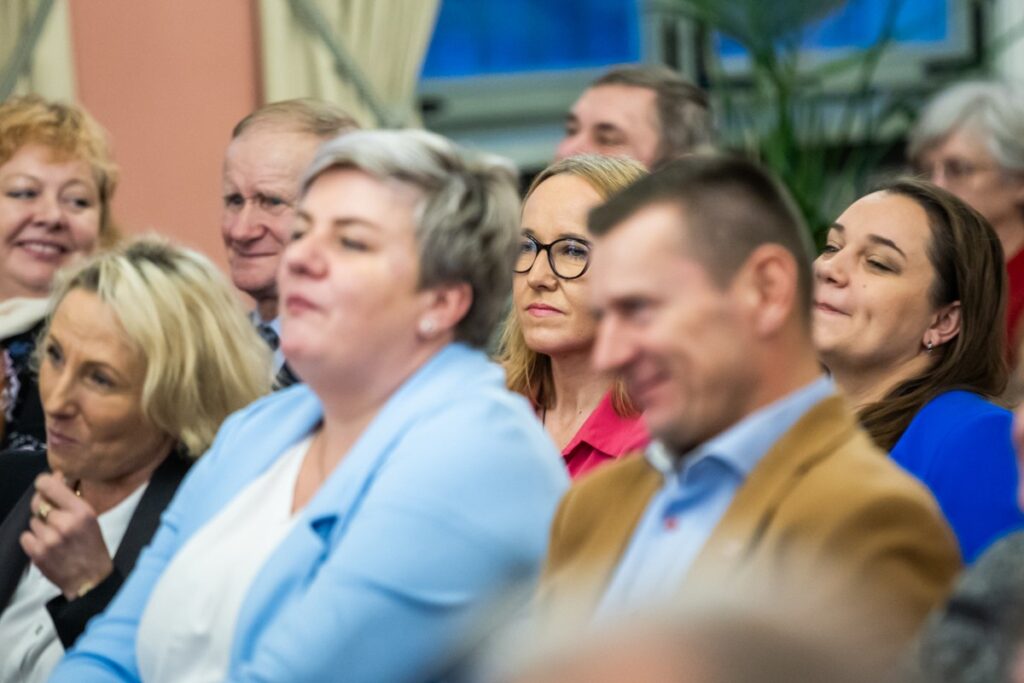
445, 499
698, 489
959, 445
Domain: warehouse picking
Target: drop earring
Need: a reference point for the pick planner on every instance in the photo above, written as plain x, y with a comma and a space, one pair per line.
929, 346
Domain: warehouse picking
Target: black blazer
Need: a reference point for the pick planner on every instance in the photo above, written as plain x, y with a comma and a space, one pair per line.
70, 617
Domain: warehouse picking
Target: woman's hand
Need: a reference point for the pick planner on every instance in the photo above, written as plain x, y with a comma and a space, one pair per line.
64, 539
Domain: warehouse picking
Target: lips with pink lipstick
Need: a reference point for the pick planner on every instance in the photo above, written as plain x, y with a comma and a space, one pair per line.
541, 310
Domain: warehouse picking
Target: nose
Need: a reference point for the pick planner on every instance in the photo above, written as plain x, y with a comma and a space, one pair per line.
613, 349
244, 224
48, 210
540, 275
58, 394
303, 257
831, 270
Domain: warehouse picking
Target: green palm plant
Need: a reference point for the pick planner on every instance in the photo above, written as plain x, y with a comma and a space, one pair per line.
782, 113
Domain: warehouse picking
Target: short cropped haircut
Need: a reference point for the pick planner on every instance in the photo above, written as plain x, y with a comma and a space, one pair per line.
204, 359
992, 109
304, 115
529, 372
731, 207
684, 113
71, 134
467, 219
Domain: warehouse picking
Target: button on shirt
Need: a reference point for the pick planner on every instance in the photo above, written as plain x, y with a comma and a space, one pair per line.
698, 489
29, 646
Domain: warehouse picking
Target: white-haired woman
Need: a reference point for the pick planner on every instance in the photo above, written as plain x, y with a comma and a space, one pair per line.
144, 353
348, 527
969, 140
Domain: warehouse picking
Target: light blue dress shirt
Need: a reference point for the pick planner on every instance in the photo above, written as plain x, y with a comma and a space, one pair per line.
444, 501
699, 486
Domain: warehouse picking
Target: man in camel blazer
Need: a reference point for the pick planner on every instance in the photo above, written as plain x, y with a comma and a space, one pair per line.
760, 480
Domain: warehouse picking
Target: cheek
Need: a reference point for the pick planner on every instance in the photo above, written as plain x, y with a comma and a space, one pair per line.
281, 227
85, 231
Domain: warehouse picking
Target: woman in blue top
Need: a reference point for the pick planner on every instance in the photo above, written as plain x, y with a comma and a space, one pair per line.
909, 303
350, 528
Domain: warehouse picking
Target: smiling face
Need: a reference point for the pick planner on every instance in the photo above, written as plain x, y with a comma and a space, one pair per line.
613, 120
90, 383
350, 301
49, 216
262, 170
677, 338
554, 313
873, 309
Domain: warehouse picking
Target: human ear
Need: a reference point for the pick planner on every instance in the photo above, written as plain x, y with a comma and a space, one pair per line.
769, 282
445, 308
945, 325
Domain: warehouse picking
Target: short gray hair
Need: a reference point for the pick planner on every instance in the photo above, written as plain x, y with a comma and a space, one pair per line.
467, 221
684, 113
302, 115
994, 109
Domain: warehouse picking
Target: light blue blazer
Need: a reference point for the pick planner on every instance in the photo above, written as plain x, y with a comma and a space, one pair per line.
444, 501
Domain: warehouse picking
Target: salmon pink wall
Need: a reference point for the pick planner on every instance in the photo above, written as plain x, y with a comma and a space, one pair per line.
168, 80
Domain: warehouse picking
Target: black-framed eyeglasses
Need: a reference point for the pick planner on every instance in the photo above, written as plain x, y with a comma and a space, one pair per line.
569, 257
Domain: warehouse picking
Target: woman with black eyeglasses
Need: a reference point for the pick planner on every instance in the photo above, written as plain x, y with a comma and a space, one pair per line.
549, 333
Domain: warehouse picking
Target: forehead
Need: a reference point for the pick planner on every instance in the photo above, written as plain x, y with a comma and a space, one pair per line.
623, 106
89, 327
965, 141
892, 216
558, 204
42, 161
348, 194
266, 152
647, 253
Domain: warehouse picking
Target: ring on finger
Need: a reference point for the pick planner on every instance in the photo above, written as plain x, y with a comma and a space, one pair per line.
44, 510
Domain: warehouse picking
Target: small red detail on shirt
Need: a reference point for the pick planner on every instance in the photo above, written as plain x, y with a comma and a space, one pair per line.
1014, 303
605, 436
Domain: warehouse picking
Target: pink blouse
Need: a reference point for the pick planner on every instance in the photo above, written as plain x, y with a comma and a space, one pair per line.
605, 436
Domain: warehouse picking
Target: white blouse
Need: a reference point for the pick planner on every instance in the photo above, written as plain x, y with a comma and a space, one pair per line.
29, 645
188, 625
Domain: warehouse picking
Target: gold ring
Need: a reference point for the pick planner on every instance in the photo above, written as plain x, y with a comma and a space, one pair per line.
43, 511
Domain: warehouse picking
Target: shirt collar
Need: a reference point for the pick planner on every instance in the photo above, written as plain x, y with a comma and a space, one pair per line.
743, 445
607, 431
256, 320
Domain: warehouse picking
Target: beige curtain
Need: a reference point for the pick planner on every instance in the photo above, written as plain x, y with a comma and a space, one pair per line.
51, 71
388, 39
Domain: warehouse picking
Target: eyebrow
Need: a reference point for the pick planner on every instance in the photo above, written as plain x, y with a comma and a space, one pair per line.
561, 236
875, 239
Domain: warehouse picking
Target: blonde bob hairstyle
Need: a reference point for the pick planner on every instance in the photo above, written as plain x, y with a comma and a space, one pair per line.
528, 372
204, 360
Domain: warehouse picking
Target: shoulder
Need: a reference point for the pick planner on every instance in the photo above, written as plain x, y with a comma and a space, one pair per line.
953, 422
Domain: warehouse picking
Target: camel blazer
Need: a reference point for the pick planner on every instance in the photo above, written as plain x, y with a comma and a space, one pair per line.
825, 514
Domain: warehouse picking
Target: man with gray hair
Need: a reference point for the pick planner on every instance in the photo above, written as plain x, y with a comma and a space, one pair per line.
649, 113
269, 150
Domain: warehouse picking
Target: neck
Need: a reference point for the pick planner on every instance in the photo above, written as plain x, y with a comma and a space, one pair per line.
267, 309
578, 387
351, 404
865, 385
793, 368
10, 290
106, 495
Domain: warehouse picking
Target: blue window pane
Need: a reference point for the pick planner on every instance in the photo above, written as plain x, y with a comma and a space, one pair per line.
483, 37
859, 24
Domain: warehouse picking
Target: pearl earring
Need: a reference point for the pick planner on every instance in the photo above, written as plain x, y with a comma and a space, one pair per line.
427, 326
929, 345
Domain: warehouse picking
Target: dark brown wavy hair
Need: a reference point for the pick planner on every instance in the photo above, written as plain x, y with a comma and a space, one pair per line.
968, 262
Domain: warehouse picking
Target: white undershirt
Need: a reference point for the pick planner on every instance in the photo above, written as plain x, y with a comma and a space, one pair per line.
29, 645
188, 625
